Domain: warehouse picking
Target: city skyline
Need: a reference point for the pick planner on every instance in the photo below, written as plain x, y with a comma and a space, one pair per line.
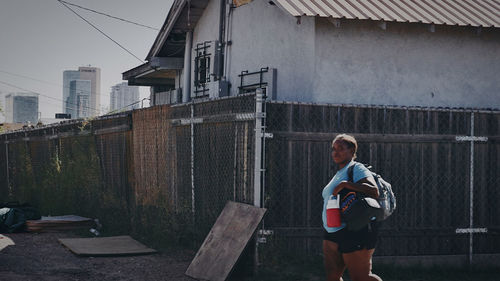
41, 39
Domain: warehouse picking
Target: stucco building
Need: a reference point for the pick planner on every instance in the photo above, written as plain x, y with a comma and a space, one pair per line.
428, 54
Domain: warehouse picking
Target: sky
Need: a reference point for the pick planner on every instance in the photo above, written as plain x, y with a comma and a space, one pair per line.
39, 39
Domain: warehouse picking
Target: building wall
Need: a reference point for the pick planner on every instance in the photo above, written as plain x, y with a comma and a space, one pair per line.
406, 64
263, 35
207, 29
259, 40
358, 62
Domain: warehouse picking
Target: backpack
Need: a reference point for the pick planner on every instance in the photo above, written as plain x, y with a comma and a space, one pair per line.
386, 197
13, 216
358, 211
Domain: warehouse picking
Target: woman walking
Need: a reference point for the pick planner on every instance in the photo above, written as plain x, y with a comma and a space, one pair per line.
344, 249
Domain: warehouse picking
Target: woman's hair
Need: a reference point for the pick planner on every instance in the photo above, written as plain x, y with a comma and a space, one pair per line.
349, 141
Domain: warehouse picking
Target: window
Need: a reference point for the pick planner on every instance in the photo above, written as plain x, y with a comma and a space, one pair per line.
202, 69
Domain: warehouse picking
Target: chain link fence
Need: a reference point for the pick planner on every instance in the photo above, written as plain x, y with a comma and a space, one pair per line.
214, 147
172, 168
442, 163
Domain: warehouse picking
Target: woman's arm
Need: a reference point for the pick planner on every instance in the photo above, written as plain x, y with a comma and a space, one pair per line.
365, 185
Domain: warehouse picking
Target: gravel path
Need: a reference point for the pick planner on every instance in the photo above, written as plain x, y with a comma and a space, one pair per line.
42, 257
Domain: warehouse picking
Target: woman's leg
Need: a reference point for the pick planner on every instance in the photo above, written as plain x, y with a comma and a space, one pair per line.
359, 264
334, 264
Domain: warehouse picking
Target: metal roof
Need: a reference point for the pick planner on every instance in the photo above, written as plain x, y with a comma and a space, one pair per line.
484, 13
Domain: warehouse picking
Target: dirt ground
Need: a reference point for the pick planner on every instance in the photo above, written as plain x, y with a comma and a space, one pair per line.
42, 257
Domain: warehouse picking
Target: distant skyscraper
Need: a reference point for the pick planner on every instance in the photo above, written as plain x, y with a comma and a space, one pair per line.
92, 74
79, 98
68, 76
122, 96
21, 108
2, 108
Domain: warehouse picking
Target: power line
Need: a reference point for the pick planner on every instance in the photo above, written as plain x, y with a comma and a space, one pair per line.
119, 109
47, 82
110, 112
53, 103
107, 15
27, 77
48, 103
95, 27
22, 89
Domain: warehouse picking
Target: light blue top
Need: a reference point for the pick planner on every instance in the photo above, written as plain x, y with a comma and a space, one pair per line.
359, 172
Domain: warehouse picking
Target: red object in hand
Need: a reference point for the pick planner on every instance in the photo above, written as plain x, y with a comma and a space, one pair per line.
333, 212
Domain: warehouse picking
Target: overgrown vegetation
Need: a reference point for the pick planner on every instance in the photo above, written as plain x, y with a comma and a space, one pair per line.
164, 229
69, 176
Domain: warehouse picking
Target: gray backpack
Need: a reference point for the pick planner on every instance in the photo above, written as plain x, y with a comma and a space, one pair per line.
386, 198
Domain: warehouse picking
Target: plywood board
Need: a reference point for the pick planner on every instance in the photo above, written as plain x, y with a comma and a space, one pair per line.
105, 246
62, 219
57, 223
225, 242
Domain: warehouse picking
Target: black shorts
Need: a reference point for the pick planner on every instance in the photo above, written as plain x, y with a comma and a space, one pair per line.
350, 241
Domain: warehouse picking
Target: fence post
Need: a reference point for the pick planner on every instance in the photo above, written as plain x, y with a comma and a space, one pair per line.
471, 230
257, 182
259, 134
471, 196
7, 167
192, 163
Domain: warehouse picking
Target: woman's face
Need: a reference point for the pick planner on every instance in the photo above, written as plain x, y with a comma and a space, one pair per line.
341, 153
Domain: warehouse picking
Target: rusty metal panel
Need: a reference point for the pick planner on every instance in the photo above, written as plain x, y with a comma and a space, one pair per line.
448, 12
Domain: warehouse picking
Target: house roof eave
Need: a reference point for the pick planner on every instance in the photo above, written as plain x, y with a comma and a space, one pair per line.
170, 21
151, 73
182, 17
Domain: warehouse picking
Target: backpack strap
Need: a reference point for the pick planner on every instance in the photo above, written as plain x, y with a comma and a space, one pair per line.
350, 173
